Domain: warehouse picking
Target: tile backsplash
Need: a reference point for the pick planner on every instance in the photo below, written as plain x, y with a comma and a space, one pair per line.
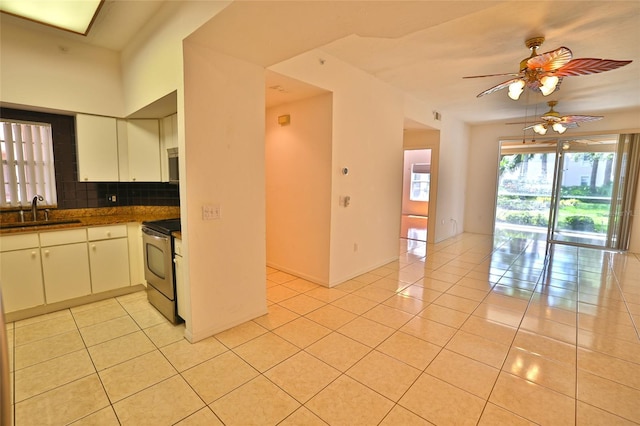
76, 195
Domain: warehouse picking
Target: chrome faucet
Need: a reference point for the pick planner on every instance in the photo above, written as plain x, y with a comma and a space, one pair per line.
34, 206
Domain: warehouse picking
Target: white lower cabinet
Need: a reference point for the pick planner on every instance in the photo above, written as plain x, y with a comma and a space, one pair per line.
65, 270
20, 272
54, 266
109, 258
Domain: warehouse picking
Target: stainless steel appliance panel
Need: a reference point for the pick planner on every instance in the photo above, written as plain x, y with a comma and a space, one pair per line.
158, 267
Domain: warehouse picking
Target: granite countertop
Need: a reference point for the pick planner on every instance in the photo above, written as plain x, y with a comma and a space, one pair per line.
74, 218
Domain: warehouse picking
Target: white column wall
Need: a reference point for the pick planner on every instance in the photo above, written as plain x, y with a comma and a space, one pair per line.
452, 183
224, 110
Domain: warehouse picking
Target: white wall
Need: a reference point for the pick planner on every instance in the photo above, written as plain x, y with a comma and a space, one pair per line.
453, 162
224, 113
298, 188
484, 157
39, 69
367, 139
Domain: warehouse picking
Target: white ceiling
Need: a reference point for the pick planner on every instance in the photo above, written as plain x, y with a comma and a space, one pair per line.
423, 47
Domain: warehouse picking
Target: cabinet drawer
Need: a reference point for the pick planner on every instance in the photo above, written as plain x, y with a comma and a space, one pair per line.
107, 232
177, 248
70, 236
18, 242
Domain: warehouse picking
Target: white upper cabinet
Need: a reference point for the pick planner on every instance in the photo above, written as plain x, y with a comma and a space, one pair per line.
97, 148
139, 148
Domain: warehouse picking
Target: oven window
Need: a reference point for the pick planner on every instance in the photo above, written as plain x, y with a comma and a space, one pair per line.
155, 261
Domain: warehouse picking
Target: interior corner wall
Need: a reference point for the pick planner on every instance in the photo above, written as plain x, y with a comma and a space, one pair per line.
152, 62
298, 188
368, 118
38, 69
224, 151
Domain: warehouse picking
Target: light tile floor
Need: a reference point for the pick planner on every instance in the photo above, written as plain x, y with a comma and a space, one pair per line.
473, 330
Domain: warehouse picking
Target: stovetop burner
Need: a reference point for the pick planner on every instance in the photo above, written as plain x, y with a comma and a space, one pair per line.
166, 226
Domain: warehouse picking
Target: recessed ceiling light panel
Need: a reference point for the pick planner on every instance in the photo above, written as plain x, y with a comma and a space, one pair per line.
70, 15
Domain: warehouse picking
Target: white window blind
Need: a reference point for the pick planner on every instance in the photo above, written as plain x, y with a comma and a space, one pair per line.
27, 163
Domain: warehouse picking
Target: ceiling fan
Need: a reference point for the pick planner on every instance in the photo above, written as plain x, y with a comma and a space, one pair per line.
552, 119
545, 71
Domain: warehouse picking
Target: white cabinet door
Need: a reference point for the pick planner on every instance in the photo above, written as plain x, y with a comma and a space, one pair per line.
109, 260
66, 272
182, 295
97, 148
136, 254
21, 279
142, 151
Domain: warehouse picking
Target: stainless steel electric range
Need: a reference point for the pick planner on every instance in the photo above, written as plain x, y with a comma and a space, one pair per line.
159, 271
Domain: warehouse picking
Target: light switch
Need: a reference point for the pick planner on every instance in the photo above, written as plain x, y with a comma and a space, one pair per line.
211, 212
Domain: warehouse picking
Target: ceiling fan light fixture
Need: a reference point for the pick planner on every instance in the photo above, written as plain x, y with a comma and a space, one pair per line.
558, 127
540, 129
515, 89
548, 84
545, 71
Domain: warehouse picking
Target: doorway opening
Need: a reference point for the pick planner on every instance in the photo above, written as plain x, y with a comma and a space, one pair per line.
416, 183
577, 191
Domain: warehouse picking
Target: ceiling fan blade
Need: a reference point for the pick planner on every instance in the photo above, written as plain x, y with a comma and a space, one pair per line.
580, 118
550, 61
585, 66
513, 74
551, 119
525, 122
531, 126
500, 86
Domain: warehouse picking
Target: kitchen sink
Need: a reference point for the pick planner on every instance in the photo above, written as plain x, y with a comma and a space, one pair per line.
37, 223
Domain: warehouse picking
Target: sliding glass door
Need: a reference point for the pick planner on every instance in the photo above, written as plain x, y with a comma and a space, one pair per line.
525, 186
579, 191
582, 207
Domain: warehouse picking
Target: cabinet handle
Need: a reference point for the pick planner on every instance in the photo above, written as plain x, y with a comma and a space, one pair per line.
133, 179
46, 253
86, 178
175, 261
93, 247
33, 254
109, 234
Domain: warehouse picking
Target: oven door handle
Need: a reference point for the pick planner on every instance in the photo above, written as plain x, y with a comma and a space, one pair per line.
156, 235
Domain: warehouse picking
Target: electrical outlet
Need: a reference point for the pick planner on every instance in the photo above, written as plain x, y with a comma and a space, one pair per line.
211, 212
111, 198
